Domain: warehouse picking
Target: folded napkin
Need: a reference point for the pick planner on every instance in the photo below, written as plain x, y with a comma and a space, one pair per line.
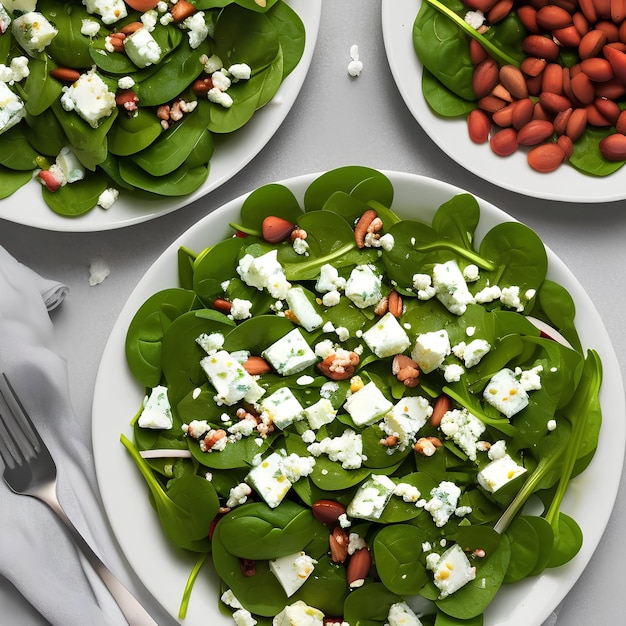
37, 556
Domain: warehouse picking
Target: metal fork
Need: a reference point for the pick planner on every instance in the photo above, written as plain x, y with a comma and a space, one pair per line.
30, 470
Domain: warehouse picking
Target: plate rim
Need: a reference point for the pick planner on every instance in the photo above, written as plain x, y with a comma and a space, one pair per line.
544, 602
262, 127
566, 184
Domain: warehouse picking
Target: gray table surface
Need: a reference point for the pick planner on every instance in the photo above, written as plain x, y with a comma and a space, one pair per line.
336, 121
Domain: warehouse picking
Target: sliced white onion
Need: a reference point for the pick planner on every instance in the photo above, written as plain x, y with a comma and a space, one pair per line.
165, 453
546, 329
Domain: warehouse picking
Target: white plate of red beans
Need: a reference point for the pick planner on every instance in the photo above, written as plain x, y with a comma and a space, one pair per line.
565, 183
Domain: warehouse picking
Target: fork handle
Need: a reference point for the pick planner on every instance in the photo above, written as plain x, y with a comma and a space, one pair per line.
133, 611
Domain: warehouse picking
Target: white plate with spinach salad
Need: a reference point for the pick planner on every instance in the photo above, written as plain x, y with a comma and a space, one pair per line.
359, 395
428, 46
162, 103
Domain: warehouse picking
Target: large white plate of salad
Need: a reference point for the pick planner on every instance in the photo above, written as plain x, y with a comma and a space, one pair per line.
450, 134
325, 422
159, 154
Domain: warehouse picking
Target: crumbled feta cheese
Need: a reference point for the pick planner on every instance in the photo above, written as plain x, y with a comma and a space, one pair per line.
142, 48
510, 298
108, 197
475, 19
220, 80
443, 502
451, 287
197, 27
401, 614
464, 429
329, 279
355, 66
409, 493
472, 352
346, 449
530, 379
488, 294
238, 495
453, 372
471, 273
211, 64
126, 82
240, 71
332, 298
109, 10
240, 309
210, 342
300, 246
264, 272
98, 271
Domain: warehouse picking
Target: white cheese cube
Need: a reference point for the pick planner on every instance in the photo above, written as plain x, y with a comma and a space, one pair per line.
320, 413
282, 407
299, 614
264, 272
157, 412
464, 429
268, 480
451, 288
443, 502
109, 10
506, 393
292, 570
371, 498
367, 405
363, 287
142, 48
71, 167
386, 337
451, 571
89, 97
472, 352
498, 473
290, 354
11, 108
230, 380
401, 614
5, 18
23, 6
302, 308
407, 417
431, 349
33, 32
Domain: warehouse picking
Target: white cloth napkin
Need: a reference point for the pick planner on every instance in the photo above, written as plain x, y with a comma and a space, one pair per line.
36, 554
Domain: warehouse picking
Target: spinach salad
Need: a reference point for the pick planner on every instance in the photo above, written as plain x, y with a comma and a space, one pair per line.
89, 104
354, 417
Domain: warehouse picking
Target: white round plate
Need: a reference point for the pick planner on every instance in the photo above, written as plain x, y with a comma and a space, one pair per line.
27, 207
118, 396
450, 134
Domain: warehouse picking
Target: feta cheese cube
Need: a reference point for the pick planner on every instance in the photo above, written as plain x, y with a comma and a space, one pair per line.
299, 614
230, 380
401, 614
386, 337
320, 413
290, 354
498, 473
302, 308
506, 393
157, 412
292, 570
464, 429
282, 407
109, 10
268, 480
371, 498
33, 32
142, 48
367, 405
11, 108
431, 349
71, 167
23, 6
451, 571
407, 417
473, 352
363, 287
451, 288
5, 19
264, 272
89, 97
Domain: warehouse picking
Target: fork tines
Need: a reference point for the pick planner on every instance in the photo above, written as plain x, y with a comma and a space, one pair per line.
19, 440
